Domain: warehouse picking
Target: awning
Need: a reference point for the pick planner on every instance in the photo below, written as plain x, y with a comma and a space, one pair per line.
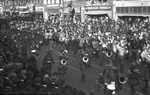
90, 13
96, 12
52, 11
132, 15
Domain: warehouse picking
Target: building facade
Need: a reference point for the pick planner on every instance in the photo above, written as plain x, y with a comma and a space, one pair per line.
53, 7
98, 8
22, 5
131, 8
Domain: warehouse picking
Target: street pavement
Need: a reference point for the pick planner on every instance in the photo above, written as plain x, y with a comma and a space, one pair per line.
73, 76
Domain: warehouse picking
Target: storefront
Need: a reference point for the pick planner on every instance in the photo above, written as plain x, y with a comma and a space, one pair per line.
77, 9
39, 11
132, 9
96, 11
51, 10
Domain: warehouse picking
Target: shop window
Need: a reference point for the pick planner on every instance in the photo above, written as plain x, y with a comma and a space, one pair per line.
148, 9
6, 2
101, 1
41, 1
46, 1
104, 1
139, 9
126, 10
135, 9
131, 9
118, 9
144, 9
122, 9
50, 1
54, 1
38, 1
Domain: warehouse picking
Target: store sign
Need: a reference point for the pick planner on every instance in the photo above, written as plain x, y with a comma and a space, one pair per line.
39, 9
56, 5
52, 10
89, 8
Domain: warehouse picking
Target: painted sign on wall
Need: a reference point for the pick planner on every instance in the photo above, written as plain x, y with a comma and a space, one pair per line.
91, 8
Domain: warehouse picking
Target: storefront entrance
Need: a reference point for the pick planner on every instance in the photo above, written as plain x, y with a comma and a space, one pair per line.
97, 16
126, 18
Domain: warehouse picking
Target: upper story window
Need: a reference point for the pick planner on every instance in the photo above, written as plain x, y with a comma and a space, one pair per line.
102, 1
54, 1
148, 9
144, 9
126, 9
133, 10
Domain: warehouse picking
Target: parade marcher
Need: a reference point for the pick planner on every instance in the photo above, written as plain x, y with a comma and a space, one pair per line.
145, 70
121, 55
99, 85
62, 67
132, 80
146, 77
100, 55
88, 54
64, 54
83, 66
49, 60
109, 82
108, 55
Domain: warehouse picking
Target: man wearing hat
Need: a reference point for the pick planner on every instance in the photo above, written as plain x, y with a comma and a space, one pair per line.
49, 57
83, 65
37, 84
62, 69
132, 80
89, 52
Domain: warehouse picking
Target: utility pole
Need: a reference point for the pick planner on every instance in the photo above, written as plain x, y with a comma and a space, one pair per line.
62, 10
4, 6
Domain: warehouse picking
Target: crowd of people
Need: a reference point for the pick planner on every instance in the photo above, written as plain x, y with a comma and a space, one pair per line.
114, 40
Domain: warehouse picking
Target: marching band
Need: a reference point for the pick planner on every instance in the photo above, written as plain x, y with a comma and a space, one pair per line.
92, 40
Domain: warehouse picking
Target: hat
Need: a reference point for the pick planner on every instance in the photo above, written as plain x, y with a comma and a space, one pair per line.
46, 76
23, 72
37, 80
33, 51
54, 78
9, 66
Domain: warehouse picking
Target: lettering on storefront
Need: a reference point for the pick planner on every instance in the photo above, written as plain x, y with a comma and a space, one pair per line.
92, 8
89, 8
39, 9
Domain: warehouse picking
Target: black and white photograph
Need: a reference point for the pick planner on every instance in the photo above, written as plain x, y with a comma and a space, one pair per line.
75, 47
